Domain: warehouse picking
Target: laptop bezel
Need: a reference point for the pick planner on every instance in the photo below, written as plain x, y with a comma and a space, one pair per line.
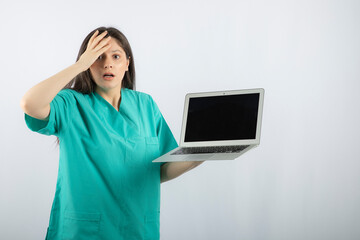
255, 141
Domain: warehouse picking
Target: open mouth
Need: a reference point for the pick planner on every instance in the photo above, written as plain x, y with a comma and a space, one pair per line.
108, 76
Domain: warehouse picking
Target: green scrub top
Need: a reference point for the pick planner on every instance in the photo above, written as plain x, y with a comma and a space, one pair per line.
107, 186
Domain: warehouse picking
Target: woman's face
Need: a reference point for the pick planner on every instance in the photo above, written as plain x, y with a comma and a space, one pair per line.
109, 69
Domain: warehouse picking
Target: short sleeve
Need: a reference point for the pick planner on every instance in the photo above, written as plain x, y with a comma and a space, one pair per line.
166, 138
59, 117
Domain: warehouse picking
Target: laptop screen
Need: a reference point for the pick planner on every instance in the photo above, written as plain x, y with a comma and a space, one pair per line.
216, 118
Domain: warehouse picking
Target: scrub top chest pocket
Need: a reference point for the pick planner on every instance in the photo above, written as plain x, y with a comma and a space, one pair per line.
138, 164
141, 151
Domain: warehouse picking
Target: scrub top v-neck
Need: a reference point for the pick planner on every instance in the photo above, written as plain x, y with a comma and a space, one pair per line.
107, 187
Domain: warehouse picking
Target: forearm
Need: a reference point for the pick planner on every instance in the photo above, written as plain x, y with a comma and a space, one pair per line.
41, 95
174, 169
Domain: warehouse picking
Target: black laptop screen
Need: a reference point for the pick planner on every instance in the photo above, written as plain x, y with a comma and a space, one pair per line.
229, 117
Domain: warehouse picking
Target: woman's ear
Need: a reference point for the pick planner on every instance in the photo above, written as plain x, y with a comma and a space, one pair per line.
127, 64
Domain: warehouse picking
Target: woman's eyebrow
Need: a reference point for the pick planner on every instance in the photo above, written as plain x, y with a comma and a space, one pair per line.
117, 50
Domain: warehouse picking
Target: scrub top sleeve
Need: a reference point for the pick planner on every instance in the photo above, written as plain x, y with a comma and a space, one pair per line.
166, 138
59, 117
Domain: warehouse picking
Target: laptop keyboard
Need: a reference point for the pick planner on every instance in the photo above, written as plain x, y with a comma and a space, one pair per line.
217, 149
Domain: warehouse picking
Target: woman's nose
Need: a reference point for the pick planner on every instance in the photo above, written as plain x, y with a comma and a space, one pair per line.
108, 64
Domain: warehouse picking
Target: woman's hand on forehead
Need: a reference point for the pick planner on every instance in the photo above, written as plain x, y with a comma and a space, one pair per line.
97, 45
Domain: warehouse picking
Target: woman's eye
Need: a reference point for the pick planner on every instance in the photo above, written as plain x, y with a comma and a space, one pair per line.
116, 56
100, 57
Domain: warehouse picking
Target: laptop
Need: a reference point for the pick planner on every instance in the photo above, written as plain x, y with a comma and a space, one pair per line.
218, 125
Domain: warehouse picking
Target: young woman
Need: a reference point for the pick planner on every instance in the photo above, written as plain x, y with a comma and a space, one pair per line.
108, 133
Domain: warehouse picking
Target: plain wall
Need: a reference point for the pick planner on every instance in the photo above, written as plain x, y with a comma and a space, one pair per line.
302, 182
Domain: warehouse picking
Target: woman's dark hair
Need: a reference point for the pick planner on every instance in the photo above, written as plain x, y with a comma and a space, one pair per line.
85, 83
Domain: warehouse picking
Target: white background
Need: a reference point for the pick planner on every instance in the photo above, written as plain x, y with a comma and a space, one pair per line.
302, 182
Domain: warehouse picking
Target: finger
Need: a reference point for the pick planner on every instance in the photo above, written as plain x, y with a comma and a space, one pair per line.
92, 38
102, 50
98, 39
102, 43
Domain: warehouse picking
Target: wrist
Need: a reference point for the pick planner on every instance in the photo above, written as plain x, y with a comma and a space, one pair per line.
80, 67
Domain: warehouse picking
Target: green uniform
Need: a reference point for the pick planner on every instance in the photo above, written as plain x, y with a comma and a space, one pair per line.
107, 186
